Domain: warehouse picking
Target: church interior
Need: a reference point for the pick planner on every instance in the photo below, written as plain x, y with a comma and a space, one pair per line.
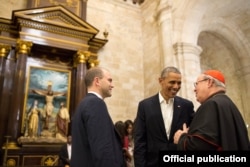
48, 45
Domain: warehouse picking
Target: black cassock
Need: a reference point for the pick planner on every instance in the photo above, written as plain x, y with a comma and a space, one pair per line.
217, 125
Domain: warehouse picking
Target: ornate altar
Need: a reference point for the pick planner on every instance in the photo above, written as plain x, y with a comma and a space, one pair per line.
42, 50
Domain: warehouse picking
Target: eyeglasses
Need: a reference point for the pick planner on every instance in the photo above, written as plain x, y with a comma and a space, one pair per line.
196, 83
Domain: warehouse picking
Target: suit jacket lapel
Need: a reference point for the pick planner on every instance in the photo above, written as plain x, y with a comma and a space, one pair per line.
157, 109
176, 115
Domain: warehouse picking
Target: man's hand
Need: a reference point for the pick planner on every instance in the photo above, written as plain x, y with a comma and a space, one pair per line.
178, 133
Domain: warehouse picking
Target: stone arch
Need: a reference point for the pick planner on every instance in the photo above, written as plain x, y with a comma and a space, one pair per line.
195, 23
187, 18
226, 48
231, 33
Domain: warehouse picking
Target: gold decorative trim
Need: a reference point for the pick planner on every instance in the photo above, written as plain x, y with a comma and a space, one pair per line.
50, 160
10, 145
4, 50
7, 26
55, 29
81, 57
23, 47
60, 15
93, 63
11, 162
57, 40
57, 15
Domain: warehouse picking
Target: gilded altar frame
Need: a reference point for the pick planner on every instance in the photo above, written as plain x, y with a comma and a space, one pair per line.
39, 78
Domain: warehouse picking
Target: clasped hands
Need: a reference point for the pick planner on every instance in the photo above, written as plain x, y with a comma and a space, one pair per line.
179, 132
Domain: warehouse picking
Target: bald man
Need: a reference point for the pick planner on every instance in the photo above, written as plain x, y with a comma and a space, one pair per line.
95, 141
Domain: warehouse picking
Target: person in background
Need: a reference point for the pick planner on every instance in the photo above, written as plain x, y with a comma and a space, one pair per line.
158, 118
65, 153
129, 142
218, 124
95, 141
120, 128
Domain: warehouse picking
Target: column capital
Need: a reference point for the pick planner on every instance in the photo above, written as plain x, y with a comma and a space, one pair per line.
81, 57
182, 47
23, 47
4, 50
93, 62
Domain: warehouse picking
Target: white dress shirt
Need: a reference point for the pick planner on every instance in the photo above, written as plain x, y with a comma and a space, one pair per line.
167, 112
95, 94
69, 150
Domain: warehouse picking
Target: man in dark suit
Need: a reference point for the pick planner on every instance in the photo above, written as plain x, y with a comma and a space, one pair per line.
158, 118
95, 141
65, 153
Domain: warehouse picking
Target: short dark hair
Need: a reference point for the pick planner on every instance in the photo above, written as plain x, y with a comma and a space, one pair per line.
169, 69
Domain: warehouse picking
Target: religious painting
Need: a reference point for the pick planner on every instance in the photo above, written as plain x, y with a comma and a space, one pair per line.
47, 91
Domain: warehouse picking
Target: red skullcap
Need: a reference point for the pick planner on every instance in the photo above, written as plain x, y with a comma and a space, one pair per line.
215, 74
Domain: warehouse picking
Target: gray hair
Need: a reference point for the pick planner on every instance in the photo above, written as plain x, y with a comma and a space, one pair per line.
216, 81
169, 69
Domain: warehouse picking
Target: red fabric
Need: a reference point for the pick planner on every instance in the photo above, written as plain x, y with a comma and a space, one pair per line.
126, 141
215, 74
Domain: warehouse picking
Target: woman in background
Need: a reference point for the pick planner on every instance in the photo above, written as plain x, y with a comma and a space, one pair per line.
129, 142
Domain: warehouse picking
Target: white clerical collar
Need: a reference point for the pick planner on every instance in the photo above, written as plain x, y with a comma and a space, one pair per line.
96, 94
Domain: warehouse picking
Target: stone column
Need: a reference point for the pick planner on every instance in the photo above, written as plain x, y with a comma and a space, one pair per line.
188, 61
164, 13
18, 92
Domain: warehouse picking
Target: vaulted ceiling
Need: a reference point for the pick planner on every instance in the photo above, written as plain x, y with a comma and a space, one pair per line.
234, 12
235, 16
